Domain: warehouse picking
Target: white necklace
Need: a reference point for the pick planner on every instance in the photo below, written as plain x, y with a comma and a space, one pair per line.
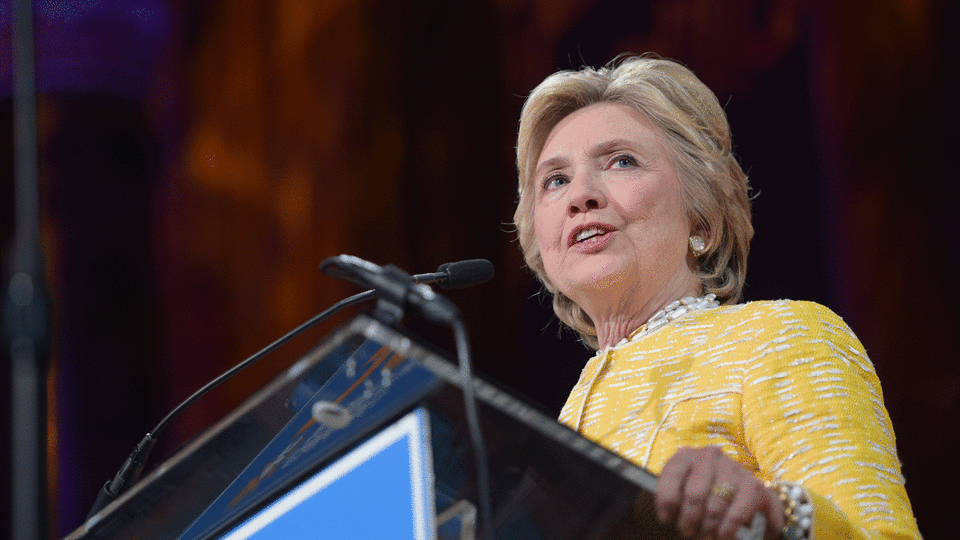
672, 311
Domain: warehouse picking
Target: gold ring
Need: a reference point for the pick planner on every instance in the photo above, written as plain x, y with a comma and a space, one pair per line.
723, 490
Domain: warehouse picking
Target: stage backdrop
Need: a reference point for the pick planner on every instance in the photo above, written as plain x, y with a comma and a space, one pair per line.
199, 159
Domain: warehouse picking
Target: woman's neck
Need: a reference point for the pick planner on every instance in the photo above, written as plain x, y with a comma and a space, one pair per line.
616, 323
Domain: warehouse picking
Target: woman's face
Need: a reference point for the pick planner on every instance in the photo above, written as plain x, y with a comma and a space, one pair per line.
608, 214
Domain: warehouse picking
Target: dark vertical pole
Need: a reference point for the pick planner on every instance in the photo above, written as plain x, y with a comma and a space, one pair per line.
25, 303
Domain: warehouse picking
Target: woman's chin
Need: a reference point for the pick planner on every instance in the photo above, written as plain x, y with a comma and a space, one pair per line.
601, 281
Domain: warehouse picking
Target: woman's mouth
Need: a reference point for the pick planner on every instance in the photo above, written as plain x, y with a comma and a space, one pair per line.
589, 233
586, 232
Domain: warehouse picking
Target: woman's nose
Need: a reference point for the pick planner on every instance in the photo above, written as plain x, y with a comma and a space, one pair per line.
585, 194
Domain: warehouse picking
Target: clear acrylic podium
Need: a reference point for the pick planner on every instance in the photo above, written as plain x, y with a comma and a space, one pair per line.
316, 444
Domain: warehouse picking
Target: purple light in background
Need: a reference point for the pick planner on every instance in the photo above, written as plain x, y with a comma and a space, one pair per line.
91, 46
96, 48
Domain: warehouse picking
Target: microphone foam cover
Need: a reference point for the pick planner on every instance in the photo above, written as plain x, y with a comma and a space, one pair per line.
465, 273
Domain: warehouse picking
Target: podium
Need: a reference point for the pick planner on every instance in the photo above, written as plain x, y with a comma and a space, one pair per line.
366, 437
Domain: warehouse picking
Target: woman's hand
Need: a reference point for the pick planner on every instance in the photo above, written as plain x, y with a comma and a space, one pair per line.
705, 494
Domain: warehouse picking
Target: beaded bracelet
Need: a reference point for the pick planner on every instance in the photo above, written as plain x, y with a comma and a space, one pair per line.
798, 510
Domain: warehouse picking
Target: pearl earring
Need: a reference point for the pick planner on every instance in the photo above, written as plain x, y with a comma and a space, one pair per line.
697, 245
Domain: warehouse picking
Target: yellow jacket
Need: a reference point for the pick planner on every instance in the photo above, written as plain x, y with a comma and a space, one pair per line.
783, 387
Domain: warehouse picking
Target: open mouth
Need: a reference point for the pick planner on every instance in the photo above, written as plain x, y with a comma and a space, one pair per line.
588, 232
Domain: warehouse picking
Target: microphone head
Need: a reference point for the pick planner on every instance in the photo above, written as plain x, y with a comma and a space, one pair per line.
462, 274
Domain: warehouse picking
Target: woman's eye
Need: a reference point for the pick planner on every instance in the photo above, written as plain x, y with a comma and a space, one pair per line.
624, 162
553, 182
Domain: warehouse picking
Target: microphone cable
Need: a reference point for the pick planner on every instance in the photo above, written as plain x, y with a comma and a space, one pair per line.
473, 427
396, 290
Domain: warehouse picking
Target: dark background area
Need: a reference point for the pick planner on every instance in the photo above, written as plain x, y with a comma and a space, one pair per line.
200, 158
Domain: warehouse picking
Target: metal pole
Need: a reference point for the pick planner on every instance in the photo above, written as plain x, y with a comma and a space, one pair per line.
25, 307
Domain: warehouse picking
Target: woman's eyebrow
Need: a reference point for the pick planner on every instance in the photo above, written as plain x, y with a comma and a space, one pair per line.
615, 144
600, 149
552, 163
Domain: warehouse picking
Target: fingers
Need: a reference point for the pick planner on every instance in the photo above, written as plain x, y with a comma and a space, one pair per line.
749, 500
698, 497
670, 485
722, 493
752, 498
704, 493
694, 490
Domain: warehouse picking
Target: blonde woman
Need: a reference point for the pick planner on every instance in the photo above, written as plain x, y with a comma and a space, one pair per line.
635, 215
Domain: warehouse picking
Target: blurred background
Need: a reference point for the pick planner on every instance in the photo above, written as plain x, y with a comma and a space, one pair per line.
199, 158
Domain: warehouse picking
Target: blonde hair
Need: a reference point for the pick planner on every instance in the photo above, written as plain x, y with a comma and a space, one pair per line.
694, 129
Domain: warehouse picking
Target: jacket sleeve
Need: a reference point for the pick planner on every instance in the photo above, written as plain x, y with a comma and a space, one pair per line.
813, 414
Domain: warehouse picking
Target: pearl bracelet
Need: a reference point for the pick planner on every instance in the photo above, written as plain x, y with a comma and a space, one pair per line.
798, 510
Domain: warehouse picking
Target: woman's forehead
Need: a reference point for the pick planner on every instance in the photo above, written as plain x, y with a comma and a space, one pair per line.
596, 130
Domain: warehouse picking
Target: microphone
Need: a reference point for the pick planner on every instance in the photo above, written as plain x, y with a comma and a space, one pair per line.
457, 274
460, 274
395, 288
451, 275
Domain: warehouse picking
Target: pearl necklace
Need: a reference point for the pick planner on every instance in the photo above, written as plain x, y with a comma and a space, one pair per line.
673, 310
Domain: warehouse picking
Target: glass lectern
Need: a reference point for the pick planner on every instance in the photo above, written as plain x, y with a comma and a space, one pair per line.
365, 437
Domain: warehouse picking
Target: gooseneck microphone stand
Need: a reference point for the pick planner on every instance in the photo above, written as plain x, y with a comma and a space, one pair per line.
25, 305
453, 275
132, 468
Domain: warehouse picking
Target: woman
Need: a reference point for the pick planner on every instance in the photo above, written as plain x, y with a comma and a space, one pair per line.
635, 215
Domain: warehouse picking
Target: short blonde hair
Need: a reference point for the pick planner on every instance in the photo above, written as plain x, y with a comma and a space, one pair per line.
694, 129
